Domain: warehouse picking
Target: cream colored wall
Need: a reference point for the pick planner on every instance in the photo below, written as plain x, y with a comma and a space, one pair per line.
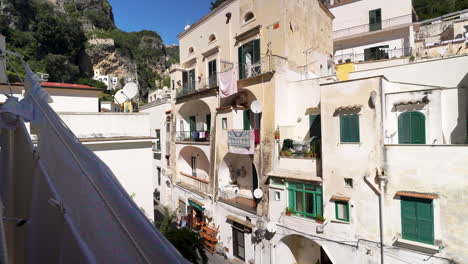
90, 125
424, 72
357, 12
131, 164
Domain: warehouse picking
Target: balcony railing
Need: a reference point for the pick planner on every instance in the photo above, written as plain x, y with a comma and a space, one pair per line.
237, 200
200, 85
384, 24
195, 183
383, 54
304, 149
264, 65
193, 136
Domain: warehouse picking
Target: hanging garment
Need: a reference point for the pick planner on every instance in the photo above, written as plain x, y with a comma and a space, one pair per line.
244, 150
227, 83
239, 138
257, 136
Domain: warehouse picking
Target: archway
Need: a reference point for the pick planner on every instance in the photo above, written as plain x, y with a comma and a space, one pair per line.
296, 249
194, 116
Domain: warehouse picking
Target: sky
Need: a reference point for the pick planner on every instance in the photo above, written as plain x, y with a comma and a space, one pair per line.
167, 17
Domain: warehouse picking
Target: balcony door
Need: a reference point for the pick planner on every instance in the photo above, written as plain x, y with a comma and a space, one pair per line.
238, 241
375, 19
212, 74
249, 57
192, 124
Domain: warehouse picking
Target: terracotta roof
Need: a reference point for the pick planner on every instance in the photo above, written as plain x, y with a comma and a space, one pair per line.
340, 198
417, 195
349, 108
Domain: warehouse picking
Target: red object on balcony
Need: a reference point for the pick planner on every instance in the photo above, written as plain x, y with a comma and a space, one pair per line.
257, 136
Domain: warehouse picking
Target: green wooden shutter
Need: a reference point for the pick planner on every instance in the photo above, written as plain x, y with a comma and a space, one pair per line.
375, 19
318, 204
418, 128
425, 216
184, 81
208, 122
291, 200
404, 128
314, 125
256, 51
241, 63
193, 125
354, 128
344, 127
409, 223
349, 128
247, 120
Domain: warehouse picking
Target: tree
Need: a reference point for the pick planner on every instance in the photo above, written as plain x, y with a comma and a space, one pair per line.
189, 244
216, 3
60, 68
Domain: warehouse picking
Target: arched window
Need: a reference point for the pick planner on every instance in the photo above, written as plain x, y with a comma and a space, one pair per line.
190, 50
412, 128
212, 38
249, 16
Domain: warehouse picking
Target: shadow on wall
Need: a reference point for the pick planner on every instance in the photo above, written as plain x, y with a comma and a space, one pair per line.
459, 134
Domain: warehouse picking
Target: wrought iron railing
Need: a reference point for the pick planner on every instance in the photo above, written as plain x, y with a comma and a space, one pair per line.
383, 54
384, 24
193, 136
187, 88
207, 83
264, 65
238, 200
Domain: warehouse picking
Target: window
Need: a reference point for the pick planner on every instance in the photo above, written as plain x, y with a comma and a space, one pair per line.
159, 176
277, 196
182, 208
192, 124
349, 128
375, 19
188, 80
342, 210
348, 182
417, 220
376, 53
158, 140
238, 241
249, 16
314, 126
249, 58
208, 122
412, 128
211, 38
247, 120
224, 123
212, 74
194, 166
305, 199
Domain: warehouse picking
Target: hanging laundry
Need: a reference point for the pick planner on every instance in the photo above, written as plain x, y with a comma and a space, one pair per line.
243, 150
227, 83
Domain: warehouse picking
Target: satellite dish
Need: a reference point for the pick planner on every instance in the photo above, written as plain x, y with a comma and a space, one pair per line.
271, 227
130, 90
120, 97
256, 107
258, 194
165, 88
186, 27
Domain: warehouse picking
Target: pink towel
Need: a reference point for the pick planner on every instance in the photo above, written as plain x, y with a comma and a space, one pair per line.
227, 83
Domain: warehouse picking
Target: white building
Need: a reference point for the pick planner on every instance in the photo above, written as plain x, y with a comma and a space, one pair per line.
110, 81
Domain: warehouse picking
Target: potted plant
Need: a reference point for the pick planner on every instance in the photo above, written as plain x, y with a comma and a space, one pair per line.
283, 153
340, 61
289, 211
288, 153
309, 154
320, 219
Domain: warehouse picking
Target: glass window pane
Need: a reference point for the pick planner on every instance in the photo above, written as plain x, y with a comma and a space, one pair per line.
309, 206
342, 211
299, 204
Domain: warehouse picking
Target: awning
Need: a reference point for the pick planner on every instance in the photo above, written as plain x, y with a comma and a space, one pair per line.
349, 108
423, 100
417, 195
340, 198
240, 221
315, 110
196, 204
190, 62
210, 52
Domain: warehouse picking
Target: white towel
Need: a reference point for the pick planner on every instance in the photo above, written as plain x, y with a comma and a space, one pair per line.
227, 83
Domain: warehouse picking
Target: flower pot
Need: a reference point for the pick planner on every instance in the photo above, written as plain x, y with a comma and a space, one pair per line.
319, 221
308, 155
283, 154
288, 214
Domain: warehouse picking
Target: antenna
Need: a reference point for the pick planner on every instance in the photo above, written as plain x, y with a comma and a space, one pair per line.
120, 97
130, 90
256, 107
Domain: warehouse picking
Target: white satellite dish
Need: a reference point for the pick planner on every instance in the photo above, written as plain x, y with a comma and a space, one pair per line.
258, 194
271, 227
256, 107
130, 90
165, 88
120, 97
186, 27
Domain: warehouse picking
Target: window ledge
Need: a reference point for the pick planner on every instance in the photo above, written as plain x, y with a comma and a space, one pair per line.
350, 143
418, 246
277, 187
340, 222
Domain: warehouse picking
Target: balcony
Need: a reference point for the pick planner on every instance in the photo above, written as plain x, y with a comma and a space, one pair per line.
194, 183
383, 54
386, 24
198, 86
265, 65
235, 199
193, 136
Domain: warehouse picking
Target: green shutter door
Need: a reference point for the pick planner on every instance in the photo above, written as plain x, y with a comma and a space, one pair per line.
409, 221
291, 199
208, 122
247, 120
314, 125
418, 128
241, 63
404, 128
193, 126
354, 128
344, 128
425, 221
184, 81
